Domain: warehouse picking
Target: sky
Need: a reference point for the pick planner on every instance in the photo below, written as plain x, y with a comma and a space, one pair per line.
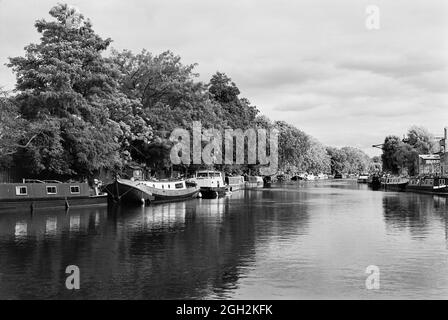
312, 63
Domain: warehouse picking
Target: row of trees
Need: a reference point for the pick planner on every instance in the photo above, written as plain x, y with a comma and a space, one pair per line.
402, 154
77, 111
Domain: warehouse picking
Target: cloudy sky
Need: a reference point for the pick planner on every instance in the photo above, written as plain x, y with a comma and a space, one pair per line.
312, 63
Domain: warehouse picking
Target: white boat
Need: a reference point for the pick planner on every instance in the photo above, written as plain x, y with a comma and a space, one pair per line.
254, 182
211, 183
363, 178
144, 191
235, 182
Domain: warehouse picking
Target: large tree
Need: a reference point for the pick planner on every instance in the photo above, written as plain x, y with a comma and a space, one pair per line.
390, 147
293, 145
238, 112
65, 82
402, 155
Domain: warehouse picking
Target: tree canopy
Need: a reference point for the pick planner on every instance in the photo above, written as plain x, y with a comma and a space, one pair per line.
400, 155
66, 86
79, 108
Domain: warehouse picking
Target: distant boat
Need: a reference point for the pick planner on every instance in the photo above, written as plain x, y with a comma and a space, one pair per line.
210, 183
374, 181
338, 176
146, 191
310, 177
281, 178
254, 182
267, 181
428, 184
37, 194
322, 176
235, 183
363, 178
394, 183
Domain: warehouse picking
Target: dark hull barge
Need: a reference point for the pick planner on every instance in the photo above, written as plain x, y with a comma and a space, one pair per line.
144, 192
394, 183
36, 194
431, 185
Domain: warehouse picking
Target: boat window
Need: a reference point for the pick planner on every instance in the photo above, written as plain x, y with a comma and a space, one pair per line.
179, 185
21, 191
442, 182
202, 175
216, 174
74, 190
169, 186
52, 190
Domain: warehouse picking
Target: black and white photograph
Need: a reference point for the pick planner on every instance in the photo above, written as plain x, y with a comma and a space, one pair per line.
235, 152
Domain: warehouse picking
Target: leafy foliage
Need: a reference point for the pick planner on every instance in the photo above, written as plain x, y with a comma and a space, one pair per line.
66, 84
402, 155
76, 112
348, 160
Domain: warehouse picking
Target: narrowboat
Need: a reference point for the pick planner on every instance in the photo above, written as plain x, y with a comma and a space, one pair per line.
46, 194
235, 183
363, 178
211, 184
147, 191
338, 176
281, 178
297, 178
428, 184
374, 181
254, 182
267, 181
394, 183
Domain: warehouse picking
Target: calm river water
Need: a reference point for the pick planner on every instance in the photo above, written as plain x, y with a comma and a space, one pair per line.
292, 241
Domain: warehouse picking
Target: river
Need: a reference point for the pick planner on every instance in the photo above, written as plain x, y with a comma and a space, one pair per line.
310, 240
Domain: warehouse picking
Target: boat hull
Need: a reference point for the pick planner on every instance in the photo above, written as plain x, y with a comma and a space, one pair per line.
431, 190
235, 187
138, 193
213, 192
395, 187
431, 185
374, 182
54, 203
175, 195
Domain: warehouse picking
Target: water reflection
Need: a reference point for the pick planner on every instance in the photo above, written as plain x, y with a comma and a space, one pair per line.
51, 226
417, 213
289, 241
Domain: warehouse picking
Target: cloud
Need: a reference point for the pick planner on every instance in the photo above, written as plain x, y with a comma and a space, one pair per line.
311, 62
396, 65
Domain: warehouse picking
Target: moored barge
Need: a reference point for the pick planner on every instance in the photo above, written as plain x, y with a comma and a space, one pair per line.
428, 184
374, 181
147, 191
394, 183
46, 194
211, 184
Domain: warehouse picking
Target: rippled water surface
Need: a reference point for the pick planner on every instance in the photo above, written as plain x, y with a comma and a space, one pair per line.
292, 241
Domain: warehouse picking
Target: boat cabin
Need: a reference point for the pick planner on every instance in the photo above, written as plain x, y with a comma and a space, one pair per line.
165, 184
209, 179
36, 189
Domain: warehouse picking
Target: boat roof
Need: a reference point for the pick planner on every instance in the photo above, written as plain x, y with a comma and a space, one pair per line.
429, 156
207, 171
